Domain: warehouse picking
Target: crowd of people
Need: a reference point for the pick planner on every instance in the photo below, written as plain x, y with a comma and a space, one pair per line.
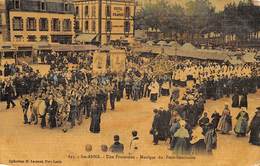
66, 95
186, 122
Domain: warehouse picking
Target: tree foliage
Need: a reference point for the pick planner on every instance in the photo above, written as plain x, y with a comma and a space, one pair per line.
199, 17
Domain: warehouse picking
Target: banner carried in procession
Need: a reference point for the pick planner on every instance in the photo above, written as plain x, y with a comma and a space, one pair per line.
118, 60
99, 63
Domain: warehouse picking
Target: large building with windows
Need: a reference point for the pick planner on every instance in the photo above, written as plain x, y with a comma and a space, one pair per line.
103, 21
39, 20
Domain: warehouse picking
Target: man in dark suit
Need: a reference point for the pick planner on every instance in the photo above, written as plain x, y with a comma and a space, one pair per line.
112, 96
10, 93
156, 127
52, 108
117, 147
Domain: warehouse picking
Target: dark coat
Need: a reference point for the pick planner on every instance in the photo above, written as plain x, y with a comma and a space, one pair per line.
52, 109
235, 101
117, 147
255, 130
243, 101
95, 120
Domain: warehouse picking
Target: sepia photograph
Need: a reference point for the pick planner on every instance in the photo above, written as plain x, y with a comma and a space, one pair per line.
129, 82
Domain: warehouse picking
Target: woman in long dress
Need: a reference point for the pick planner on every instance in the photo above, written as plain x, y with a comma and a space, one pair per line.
198, 145
182, 140
242, 123
95, 118
225, 122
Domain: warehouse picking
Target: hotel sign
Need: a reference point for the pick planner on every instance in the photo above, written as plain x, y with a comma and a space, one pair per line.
118, 12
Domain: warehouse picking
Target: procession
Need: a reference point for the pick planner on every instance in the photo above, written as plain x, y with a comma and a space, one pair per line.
66, 96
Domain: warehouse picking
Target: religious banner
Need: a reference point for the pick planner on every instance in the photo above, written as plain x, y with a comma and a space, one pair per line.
99, 63
117, 60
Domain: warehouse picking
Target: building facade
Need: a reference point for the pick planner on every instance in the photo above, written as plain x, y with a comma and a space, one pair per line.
40, 20
104, 20
4, 36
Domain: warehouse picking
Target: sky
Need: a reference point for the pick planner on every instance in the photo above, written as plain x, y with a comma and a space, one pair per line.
219, 4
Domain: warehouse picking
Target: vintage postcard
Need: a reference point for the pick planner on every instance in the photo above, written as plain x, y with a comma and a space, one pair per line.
129, 82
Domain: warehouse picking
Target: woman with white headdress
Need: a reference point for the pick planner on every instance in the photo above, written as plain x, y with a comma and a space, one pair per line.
198, 145
181, 138
242, 123
225, 122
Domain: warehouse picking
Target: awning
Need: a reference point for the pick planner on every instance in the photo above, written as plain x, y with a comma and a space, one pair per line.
85, 37
70, 48
42, 46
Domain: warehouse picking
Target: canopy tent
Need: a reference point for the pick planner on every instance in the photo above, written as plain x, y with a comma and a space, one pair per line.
174, 44
197, 53
162, 43
234, 60
249, 57
188, 46
150, 43
85, 38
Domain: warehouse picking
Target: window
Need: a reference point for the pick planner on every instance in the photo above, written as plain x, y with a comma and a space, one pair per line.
127, 11
108, 11
17, 4
86, 26
93, 26
31, 38
31, 24
44, 38
18, 38
43, 24
17, 24
66, 7
66, 25
77, 26
93, 11
108, 26
86, 11
127, 26
77, 11
55, 24
43, 5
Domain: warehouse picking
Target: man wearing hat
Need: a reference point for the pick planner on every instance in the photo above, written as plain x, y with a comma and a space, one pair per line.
117, 147
254, 128
155, 126
10, 93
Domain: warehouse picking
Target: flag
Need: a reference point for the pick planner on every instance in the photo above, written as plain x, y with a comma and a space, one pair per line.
99, 63
118, 60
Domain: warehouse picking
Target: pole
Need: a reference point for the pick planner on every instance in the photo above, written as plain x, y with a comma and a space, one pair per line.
100, 21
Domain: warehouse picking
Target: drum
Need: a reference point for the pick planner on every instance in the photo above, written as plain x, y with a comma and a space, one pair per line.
41, 108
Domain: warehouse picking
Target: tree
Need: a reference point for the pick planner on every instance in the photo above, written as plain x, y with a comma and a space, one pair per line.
199, 13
